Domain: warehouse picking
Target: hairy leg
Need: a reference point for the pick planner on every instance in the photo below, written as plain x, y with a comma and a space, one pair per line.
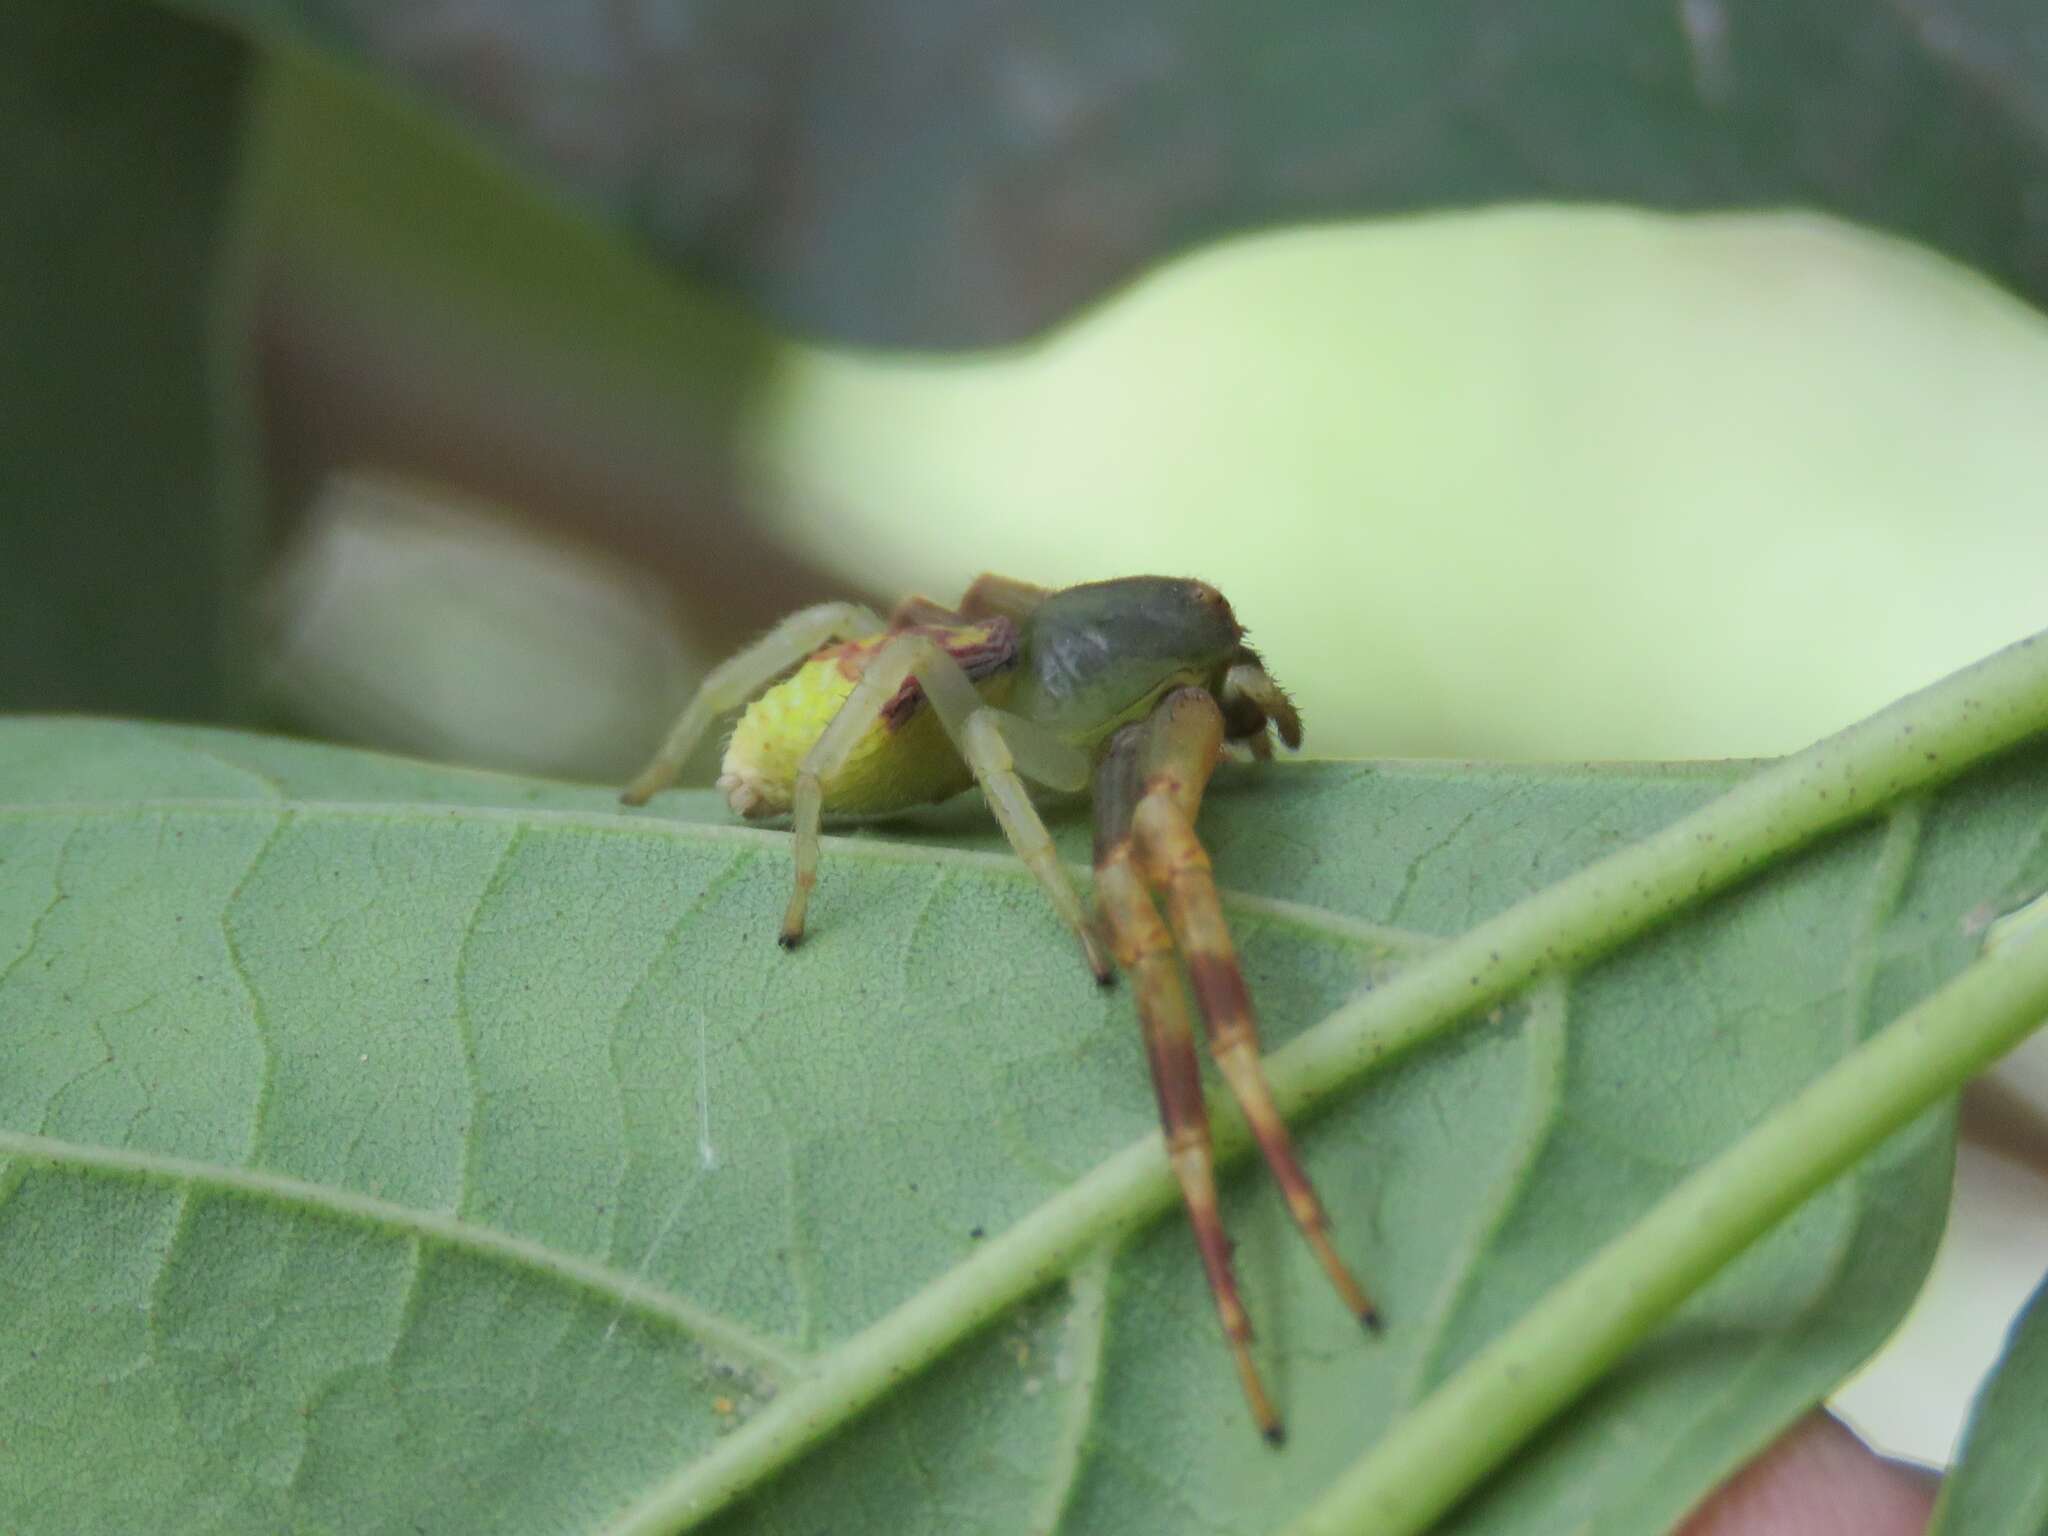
739, 677
994, 745
1183, 739
990, 595
1144, 948
913, 611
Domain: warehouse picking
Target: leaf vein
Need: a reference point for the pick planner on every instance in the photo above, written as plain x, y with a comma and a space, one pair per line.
426, 1229
259, 1018
712, 888
1079, 1368
1543, 1037
465, 1024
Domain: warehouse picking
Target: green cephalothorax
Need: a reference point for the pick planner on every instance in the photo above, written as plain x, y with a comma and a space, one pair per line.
1128, 688
1102, 655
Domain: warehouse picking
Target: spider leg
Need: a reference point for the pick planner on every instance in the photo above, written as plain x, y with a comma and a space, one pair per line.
1184, 737
996, 746
1144, 948
991, 595
739, 677
913, 611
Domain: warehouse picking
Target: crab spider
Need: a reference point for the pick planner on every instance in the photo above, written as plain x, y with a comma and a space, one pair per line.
1133, 686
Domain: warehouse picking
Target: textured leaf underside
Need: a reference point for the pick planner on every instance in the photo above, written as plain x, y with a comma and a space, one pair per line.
386, 1147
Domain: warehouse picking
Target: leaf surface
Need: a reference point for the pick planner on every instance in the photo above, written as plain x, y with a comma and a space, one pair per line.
387, 1146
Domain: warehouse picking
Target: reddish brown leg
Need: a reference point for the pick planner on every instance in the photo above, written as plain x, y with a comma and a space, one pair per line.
1144, 949
1183, 739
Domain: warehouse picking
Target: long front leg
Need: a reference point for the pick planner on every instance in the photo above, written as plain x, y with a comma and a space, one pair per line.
1144, 949
739, 677
1183, 739
995, 746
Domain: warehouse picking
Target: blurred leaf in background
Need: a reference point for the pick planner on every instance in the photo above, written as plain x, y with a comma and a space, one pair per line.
130, 525
910, 174
918, 173
2001, 1487
1521, 484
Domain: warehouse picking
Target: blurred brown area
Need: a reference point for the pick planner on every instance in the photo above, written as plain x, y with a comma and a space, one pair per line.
355, 374
1819, 1480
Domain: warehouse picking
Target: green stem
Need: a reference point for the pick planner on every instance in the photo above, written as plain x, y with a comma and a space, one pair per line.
1468, 1426
1920, 741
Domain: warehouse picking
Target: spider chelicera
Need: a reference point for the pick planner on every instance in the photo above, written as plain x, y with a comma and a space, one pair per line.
1132, 686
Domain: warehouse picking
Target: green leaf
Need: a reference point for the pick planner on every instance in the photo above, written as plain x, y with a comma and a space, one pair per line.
390, 1146
124, 431
2000, 1484
908, 173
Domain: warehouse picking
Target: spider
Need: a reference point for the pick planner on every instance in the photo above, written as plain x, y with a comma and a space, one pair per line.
1133, 686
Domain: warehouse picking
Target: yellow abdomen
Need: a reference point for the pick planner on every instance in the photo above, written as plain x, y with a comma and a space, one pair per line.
892, 767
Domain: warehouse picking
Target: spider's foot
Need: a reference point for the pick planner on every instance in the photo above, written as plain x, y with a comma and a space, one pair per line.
1270, 1428
792, 933
650, 781
1097, 953
1370, 1320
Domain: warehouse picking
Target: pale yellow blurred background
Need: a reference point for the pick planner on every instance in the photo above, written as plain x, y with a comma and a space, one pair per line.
1515, 484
